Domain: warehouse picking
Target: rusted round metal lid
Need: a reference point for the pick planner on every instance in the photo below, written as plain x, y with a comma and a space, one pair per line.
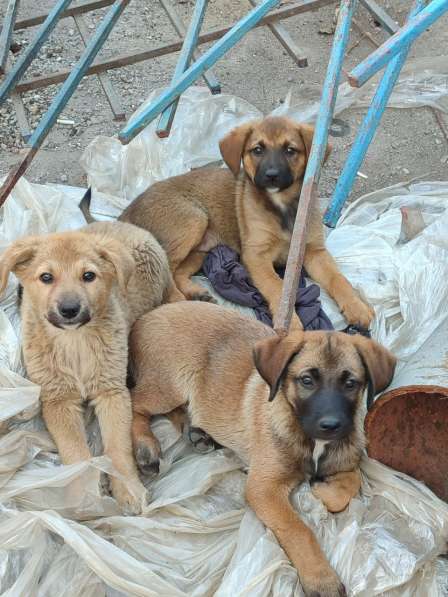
407, 429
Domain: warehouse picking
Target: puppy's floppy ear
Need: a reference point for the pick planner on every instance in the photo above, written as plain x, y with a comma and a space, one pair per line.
307, 134
232, 146
379, 364
16, 258
272, 356
119, 256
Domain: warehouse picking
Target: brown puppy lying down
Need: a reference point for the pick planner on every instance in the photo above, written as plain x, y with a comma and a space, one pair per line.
291, 408
252, 210
82, 291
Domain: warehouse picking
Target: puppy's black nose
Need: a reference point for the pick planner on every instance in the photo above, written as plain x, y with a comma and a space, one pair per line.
329, 424
69, 308
272, 174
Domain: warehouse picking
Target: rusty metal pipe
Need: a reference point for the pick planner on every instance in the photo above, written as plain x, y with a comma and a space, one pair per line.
407, 426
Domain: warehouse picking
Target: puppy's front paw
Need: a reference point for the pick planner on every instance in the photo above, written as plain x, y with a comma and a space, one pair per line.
358, 313
324, 584
130, 502
333, 499
148, 457
337, 490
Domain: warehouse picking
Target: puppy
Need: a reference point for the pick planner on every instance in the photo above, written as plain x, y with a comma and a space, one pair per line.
291, 408
251, 210
151, 284
81, 293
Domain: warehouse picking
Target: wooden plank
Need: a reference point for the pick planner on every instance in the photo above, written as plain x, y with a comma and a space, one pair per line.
380, 15
22, 119
209, 78
440, 121
282, 35
308, 193
6, 34
70, 12
287, 11
365, 34
103, 78
20, 111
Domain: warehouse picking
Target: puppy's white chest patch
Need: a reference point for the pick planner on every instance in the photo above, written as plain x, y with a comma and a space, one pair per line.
319, 448
276, 199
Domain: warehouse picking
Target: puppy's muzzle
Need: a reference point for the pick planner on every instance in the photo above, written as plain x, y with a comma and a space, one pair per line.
273, 173
271, 177
69, 313
328, 416
69, 309
330, 424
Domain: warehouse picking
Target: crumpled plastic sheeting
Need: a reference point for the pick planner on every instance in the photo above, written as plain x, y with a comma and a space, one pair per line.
403, 281
59, 536
423, 82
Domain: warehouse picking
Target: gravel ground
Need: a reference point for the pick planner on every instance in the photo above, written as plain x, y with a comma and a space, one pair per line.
409, 142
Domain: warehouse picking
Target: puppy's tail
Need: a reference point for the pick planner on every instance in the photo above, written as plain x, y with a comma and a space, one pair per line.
84, 206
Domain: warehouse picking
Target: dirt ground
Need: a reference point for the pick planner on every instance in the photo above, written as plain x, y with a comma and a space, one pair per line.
409, 142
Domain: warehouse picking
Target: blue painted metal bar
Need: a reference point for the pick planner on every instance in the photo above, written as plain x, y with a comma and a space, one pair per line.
211, 81
366, 132
390, 48
186, 53
68, 88
329, 92
32, 50
6, 34
313, 169
206, 61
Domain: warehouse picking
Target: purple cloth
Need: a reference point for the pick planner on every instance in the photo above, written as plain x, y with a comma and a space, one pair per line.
231, 280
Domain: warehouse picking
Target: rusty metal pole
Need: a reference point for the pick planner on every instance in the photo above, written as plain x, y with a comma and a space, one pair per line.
313, 169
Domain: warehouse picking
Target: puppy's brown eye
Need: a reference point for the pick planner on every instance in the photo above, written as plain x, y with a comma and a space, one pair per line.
350, 384
88, 276
290, 151
257, 150
307, 381
46, 278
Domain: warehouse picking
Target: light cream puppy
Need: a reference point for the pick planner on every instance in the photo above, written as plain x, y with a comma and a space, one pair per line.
82, 291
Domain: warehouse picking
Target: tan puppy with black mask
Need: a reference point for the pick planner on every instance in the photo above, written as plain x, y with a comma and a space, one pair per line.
291, 408
252, 210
